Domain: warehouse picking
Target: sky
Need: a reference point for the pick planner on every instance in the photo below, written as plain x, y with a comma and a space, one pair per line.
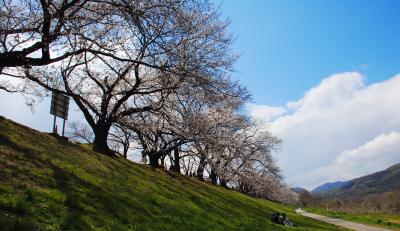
287, 46
324, 75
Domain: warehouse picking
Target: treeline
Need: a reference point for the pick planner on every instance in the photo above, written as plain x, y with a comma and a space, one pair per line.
386, 202
153, 75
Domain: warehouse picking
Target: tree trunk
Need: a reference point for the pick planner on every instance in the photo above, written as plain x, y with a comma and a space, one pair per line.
213, 177
125, 154
162, 158
223, 183
200, 169
100, 140
177, 166
153, 160
126, 147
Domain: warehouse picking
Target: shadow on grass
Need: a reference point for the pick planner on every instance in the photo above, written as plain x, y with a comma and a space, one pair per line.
64, 181
89, 206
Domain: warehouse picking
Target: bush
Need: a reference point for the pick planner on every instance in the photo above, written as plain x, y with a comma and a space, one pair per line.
29, 195
17, 204
12, 224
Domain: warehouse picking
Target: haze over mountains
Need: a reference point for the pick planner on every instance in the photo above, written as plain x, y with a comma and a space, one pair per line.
328, 186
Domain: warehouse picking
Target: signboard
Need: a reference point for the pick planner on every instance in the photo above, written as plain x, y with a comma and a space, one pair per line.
59, 105
59, 108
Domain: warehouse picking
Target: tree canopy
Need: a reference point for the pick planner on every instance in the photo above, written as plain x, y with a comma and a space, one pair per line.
154, 74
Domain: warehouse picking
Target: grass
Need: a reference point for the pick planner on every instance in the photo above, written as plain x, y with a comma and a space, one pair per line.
384, 220
48, 184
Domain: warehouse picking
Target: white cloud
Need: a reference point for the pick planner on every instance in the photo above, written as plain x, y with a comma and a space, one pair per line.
375, 155
341, 113
265, 112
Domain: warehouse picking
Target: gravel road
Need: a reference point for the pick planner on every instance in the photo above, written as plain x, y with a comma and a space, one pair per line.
339, 222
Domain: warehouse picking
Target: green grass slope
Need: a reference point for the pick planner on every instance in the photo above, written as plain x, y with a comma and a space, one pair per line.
47, 184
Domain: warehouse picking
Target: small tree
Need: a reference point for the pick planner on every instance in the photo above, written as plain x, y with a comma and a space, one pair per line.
80, 132
121, 139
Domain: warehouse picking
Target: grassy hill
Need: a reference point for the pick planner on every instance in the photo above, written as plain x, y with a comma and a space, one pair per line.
48, 184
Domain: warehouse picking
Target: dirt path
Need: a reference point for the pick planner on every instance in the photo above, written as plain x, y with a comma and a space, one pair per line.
339, 222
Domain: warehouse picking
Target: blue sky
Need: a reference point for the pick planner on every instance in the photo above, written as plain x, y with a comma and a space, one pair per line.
324, 75
288, 46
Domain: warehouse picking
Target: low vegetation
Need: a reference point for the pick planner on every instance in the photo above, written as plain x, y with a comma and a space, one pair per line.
50, 184
385, 202
385, 220
377, 209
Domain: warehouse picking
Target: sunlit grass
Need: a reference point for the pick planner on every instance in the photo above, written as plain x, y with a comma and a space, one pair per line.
46, 184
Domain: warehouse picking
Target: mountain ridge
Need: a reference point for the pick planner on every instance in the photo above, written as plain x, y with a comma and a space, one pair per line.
378, 182
327, 186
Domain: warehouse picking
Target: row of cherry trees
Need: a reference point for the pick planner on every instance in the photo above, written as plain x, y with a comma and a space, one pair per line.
153, 73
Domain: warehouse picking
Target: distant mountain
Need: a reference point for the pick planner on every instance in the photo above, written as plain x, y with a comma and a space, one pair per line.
327, 187
383, 181
298, 190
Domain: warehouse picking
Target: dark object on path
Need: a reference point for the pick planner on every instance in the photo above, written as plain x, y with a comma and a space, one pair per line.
281, 219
